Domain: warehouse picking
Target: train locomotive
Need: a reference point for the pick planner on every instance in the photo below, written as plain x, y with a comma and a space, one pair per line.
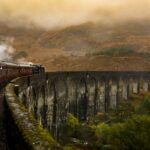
9, 71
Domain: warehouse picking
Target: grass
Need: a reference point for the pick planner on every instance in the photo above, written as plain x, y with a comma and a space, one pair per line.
118, 51
121, 51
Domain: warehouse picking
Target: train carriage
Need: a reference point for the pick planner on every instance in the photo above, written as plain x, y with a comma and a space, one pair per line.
9, 71
26, 70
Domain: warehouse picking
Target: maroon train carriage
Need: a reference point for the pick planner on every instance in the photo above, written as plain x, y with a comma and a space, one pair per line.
12, 71
25, 70
9, 71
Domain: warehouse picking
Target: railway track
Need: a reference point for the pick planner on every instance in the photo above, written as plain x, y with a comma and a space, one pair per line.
3, 137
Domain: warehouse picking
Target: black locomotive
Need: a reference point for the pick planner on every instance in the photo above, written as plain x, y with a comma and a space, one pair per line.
9, 71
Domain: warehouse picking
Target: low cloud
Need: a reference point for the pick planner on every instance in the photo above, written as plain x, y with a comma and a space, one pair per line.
60, 13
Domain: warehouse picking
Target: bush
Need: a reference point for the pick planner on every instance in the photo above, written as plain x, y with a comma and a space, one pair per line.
98, 118
101, 132
84, 133
132, 134
124, 111
72, 121
144, 107
67, 130
136, 133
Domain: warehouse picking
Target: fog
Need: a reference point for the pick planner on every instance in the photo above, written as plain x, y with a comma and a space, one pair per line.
60, 13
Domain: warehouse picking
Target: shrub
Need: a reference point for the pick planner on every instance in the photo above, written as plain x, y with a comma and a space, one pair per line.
144, 107
125, 110
84, 133
101, 132
72, 121
67, 130
136, 132
132, 134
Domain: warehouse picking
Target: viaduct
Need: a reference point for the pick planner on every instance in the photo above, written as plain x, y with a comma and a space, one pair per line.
50, 96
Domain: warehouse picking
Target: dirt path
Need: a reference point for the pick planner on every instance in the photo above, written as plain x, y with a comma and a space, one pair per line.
3, 139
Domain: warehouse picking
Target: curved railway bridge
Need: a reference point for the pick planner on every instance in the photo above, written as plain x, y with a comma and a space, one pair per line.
50, 96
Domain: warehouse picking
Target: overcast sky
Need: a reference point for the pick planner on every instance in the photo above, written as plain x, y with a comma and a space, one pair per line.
59, 13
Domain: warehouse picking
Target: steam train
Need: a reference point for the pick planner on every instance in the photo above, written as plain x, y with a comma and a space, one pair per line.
9, 71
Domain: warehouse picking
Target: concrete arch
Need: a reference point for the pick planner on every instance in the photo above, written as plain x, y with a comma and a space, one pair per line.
113, 93
145, 86
44, 109
82, 100
72, 95
24, 99
100, 95
35, 101
134, 85
41, 114
51, 106
92, 96
61, 96
30, 99
125, 89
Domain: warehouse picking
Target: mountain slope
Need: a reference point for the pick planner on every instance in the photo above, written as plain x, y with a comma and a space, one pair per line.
87, 46
91, 37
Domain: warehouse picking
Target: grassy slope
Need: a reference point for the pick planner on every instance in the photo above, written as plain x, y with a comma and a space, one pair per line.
64, 49
95, 37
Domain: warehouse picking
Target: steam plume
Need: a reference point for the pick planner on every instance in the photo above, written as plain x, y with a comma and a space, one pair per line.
6, 52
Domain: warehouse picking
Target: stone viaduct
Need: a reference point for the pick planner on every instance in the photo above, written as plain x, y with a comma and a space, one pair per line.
50, 96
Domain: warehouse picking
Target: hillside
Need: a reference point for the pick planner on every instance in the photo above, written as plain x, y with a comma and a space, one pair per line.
91, 37
87, 46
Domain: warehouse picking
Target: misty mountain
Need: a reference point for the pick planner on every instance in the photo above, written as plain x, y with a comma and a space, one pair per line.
87, 37
84, 47
91, 38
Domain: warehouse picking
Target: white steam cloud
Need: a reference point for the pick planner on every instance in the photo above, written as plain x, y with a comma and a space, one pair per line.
23, 61
6, 52
60, 13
